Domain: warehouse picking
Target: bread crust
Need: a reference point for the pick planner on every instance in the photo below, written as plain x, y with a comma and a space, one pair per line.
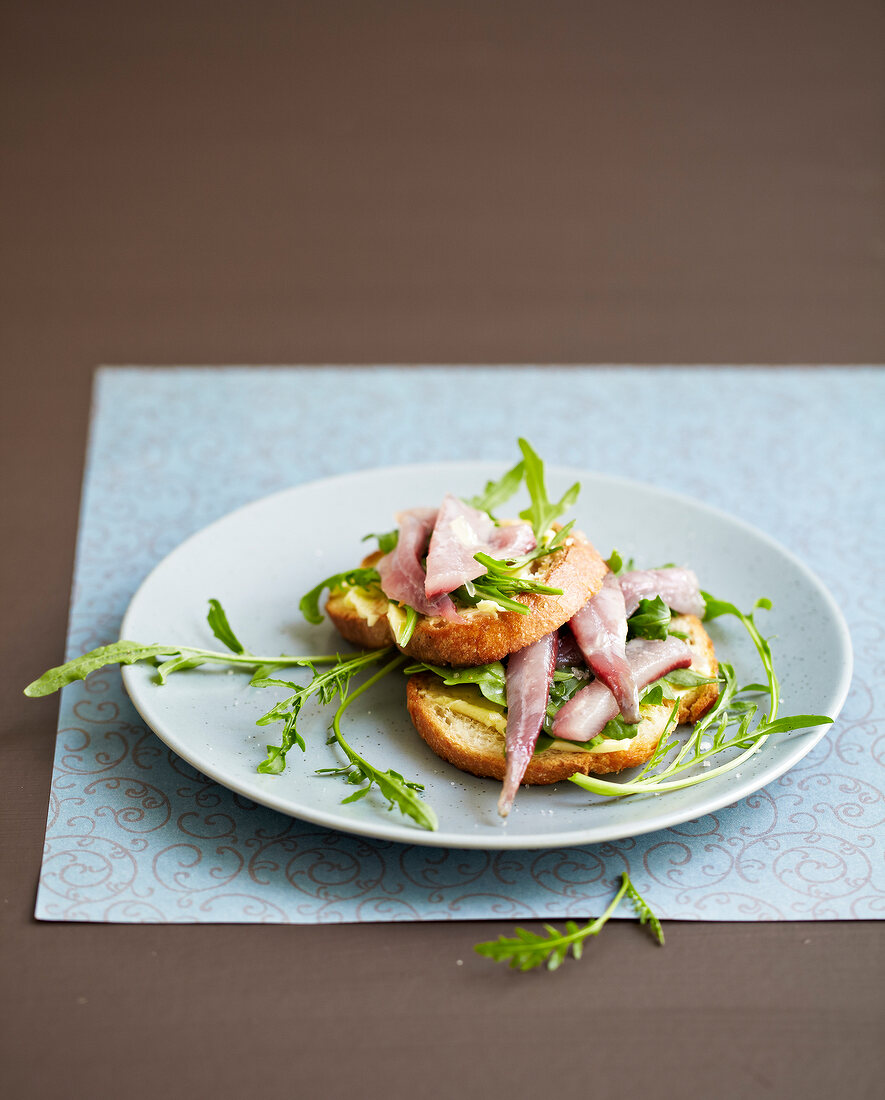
356, 629
475, 747
576, 568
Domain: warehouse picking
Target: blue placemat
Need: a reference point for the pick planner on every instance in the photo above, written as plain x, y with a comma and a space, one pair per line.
134, 834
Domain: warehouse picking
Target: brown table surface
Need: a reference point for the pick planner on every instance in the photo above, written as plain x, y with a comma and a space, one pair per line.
414, 182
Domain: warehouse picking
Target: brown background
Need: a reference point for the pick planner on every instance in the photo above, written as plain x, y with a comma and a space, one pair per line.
414, 182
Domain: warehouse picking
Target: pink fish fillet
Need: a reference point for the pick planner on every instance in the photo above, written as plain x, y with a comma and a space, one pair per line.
586, 713
402, 575
461, 532
677, 587
529, 675
600, 629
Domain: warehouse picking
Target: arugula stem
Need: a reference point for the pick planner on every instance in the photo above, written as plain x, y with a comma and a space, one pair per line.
350, 753
597, 925
765, 653
249, 659
720, 708
397, 790
602, 786
662, 740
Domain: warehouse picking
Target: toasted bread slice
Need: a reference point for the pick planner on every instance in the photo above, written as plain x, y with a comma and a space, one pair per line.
468, 731
488, 633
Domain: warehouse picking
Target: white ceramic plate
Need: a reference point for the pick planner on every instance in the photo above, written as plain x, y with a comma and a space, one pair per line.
260, 559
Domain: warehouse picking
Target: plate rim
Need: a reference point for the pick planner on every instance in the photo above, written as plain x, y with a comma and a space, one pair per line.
803, 743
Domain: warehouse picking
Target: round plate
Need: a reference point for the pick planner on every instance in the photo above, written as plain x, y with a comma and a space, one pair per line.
259, 560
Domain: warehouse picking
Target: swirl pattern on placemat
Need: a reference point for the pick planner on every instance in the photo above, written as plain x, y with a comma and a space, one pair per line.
136, 834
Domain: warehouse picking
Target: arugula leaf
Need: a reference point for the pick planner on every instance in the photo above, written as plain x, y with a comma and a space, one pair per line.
617, 564
119, 653
265, 672
403, 622
176, 664
396, 789
496, 492
275, 761
220, 627
653, 696
558, 540
499, 585
797, 722
503, 574
386, 541
542, 511
527, 950
545, 740
564, 685
650, 620
479, 590
687, 677
517, 585
715, 608
644, 912
490, 679
309, 604
616, 729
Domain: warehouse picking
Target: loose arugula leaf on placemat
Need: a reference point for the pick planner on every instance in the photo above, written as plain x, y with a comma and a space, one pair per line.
119, 653
527, 950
